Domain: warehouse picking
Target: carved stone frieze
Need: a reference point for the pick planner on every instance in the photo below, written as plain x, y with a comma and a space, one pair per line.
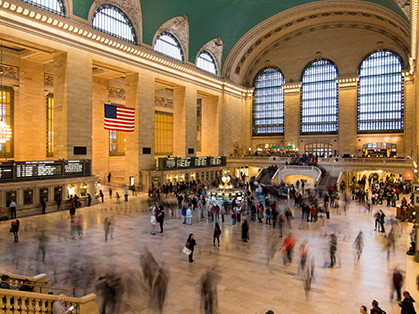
163, 102
116, 93
49, 79
9, 71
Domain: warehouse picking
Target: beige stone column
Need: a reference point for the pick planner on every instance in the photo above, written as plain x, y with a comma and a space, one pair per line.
60, 106
247, 127
292, 114
144, 115
410, 139
184, 121
132, 151
348, 102
30, 113
210, 126
73, 80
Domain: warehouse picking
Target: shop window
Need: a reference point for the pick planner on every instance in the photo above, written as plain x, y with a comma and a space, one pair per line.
206, 62
116, 143
380, 93
7, 116
111, 20
50, 124
58, 193
83, 189
27, 197
268, 103
319, 98
167, 45
54, 6
380, 150
319, 149
163, 133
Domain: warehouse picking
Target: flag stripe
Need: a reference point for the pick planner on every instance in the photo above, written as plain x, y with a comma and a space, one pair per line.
119, 118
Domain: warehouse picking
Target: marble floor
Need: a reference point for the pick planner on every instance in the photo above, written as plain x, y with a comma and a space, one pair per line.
248, 283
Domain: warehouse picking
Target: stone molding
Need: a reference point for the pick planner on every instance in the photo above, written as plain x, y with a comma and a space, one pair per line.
163, 102
308, 12
49, 79
178, 27
348, 82
10, 72
291, 88
116, 93
131, 9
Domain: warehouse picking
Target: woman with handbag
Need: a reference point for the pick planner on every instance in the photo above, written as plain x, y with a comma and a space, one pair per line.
15, 229
190, 244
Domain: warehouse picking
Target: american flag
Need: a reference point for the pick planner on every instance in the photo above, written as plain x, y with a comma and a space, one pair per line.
119, 118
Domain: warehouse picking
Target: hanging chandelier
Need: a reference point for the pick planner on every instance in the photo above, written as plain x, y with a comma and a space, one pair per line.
5, 130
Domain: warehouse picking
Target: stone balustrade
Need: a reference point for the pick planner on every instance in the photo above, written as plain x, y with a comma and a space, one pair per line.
38, 281
17, 302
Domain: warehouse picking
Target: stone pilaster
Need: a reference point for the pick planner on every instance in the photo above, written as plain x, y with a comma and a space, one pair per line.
210, 126
348, 98
60, 106
410, 140
292, 114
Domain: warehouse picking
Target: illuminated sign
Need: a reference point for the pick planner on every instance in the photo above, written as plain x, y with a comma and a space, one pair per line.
174, 163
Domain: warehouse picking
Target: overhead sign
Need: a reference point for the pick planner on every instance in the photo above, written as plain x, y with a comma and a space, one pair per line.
176, 163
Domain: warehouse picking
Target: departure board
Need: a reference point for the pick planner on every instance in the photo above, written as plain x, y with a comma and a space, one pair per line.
6, 170
31, 169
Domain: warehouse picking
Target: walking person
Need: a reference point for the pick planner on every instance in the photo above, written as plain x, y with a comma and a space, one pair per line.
126, 194
233, 217
183, 213
89, 199
397, 282
190, 244
216, 234
160, 217
15, 229
268, 215
407, 304
333, 245
189, 216
153, 221
13, 209
106, 226
375, 308
101, 195
245, 231
44, 205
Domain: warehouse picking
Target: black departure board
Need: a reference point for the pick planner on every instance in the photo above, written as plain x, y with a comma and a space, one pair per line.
6, 170
31, 169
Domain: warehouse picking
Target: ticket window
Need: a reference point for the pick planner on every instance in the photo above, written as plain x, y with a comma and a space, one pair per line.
28, 197
58, 193
83, 189
71, 190
10, 195
43, 193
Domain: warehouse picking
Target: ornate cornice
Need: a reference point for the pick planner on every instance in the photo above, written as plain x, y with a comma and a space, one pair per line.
292, 88
348, 82
297, 16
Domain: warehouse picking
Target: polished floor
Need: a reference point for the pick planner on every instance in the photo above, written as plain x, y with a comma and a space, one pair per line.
248, 284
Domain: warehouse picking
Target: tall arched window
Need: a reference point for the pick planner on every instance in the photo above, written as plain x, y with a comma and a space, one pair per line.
111, 20
167, 44
319, 98
268, 103
54, 6
206, 62
380, 93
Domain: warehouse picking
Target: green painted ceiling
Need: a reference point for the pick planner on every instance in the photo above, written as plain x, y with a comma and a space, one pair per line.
209, 19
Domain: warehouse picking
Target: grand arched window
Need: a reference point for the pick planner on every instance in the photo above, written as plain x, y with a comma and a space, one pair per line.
268, 103
167, 44
206, 62
111, 20
319, 98
380, 93
54, 6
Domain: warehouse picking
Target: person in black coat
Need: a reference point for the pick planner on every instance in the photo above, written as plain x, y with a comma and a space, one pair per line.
190, 244
216, 235
407, 304
160, 217
245, 231
44, 205
15, 229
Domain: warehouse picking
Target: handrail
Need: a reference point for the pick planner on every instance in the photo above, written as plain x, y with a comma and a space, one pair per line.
15, 301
